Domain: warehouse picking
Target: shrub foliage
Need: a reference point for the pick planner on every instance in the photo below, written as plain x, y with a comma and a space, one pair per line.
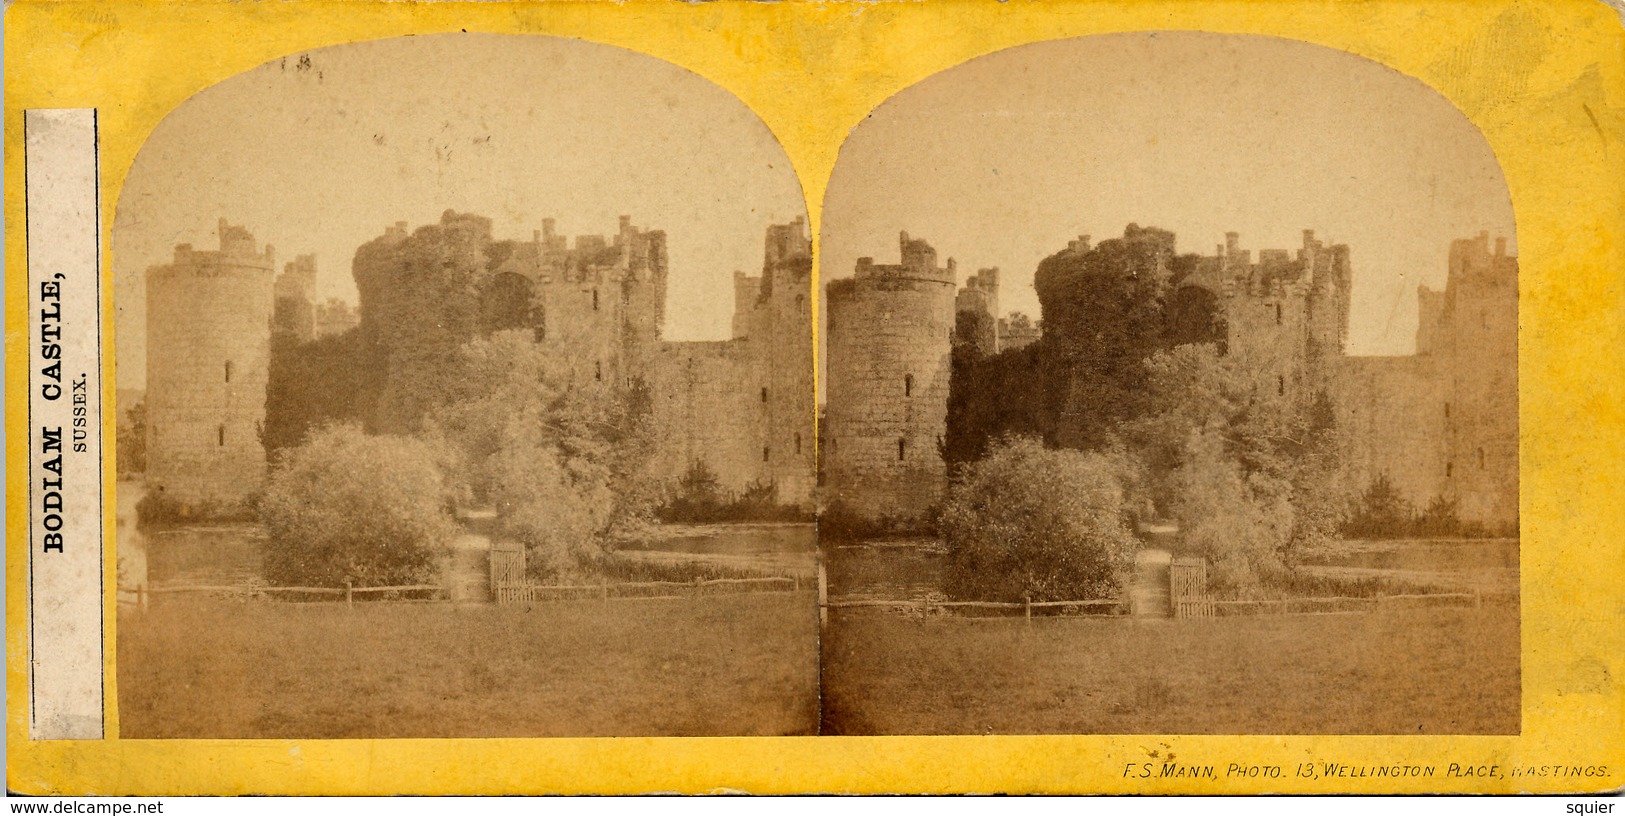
1029, 521
345, 506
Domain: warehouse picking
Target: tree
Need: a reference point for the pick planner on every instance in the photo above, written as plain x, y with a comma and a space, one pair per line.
1250, 476
131, 442
560, 455
348, 507
1440, 519
315, 383
1380, 512
1029, 521
1103, 315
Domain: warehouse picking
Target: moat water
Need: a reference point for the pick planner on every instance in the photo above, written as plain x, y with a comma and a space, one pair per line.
233, 554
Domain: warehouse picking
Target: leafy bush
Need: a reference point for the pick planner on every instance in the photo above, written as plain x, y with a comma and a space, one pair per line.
701, 499
345, 506
157, 510
1381, 512
1028, 521
130, 443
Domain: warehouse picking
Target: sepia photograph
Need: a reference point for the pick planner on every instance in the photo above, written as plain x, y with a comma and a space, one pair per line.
1141, 400
465, 389
1170, 387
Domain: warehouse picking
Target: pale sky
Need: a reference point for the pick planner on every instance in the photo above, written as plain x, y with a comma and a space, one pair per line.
1002, 160
320, 156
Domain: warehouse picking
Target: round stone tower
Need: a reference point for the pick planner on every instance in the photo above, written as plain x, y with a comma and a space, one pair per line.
208, 348
890, 331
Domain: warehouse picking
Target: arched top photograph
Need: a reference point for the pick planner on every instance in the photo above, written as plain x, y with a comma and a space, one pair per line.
465, 321
1188, 325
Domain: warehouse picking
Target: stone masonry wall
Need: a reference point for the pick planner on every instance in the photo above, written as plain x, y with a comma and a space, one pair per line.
208, 349
705, 410
890, 331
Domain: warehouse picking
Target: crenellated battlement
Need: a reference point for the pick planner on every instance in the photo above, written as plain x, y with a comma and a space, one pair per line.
919, 263
787, 241
980, 293
237, 249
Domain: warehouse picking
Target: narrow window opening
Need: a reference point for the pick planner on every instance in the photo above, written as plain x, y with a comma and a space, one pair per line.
228, 371
1280, 385
598, 370
1278, 314
221, 433
595, 300
1449, 469
902, 449
764, 395
798, 443
908, 385
765, 453
1480, 458
1447, 410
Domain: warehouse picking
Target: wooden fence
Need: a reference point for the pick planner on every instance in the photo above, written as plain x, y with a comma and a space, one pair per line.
505, 593
140, 596
524, 592
1351, 604
1026, 607
1202, 606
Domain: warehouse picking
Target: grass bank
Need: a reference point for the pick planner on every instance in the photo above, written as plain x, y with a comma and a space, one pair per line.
1409, 671
734, 665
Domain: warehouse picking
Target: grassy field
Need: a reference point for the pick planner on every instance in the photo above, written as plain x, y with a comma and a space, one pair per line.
732, 665
1441, 671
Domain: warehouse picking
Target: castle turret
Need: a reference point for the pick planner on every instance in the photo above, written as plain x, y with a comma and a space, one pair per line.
294, 314
208, 350
890, 332
1478, 348
785, 353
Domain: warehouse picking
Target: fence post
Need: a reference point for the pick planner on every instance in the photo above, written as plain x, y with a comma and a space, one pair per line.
349, 593
603, 590
823, 597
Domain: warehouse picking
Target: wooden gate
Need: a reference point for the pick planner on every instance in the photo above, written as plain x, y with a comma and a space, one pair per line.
1187, 588
508, 579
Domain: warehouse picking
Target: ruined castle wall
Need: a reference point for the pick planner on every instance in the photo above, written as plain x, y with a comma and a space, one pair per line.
294, 315
1444, 422
1483, 340
889, 363
705, 410
1268, 330
208, 350
583, 315
785, 359
1391, 417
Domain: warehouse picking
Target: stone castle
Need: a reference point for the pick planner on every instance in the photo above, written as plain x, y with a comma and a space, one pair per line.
1441, 423
743, 407
208, 353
